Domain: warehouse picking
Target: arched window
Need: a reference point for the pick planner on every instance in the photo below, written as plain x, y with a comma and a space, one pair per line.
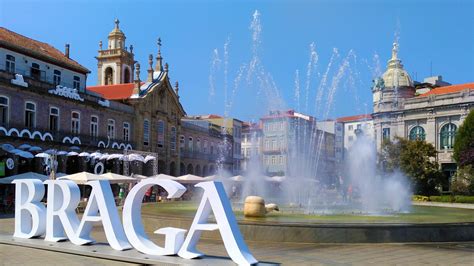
126, 75
182, 145
173, 139
146, 132
126, 131
111, 128
109, 76
161, 134
94, 130
417, 133
4, 108
447, 135
75, 122
198, 145
53, 119
30, 114
190, 144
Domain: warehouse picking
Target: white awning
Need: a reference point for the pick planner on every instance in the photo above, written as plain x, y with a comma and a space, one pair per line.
149, 158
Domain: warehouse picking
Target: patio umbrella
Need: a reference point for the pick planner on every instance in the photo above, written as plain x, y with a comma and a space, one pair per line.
14, 151
163, 176
116, 178
35, 148
149, 158
104, 157
24, 146
140, 176
84, 154
72, 153
25, 154
115, 156
74, 148
189, 179
62, 153
42, 155
28, 175
7, 147
238, 178
210, 178
83, 177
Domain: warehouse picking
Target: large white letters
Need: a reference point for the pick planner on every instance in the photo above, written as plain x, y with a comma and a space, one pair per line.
101, 207
30, 213
59, 221
63, 197
132, 218
215, 199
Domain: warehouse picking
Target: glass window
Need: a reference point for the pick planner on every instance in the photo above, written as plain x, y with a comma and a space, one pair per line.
273, 160
4, 108
57, 77
161, 134
126, 131
190, 144
10, 64
173, 139
75, 122
76, 82
111, 128
146, 132
447, 134
351, 127
53, 119
417, 133
204, 146
182, 143
35, 71
386, 134
94, 130
30, 114
198, 145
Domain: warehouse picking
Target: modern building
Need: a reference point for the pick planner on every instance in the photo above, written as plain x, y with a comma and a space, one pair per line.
293, 145
348, 129
431, 111
251, 144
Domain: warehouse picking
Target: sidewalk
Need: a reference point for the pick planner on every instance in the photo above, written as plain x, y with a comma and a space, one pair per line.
284, 253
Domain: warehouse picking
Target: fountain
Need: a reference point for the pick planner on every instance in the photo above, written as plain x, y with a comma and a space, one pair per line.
361, 204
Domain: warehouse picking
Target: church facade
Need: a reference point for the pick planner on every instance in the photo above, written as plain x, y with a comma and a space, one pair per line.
432, 110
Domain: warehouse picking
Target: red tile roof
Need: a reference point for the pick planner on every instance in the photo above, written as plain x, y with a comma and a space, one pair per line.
354, 118
39, 50
449, 89
114, 92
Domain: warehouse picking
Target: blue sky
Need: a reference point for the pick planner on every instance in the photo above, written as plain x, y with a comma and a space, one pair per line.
435, 37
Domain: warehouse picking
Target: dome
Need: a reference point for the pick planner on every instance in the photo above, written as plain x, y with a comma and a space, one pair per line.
396, 76
116, 31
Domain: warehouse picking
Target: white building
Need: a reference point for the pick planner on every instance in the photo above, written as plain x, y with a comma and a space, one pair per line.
348, 129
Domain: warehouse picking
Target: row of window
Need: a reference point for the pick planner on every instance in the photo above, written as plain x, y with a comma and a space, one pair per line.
274, 126
447, 135
275, 144
53, 121
161, 134
204, 146
274, 160
36, 73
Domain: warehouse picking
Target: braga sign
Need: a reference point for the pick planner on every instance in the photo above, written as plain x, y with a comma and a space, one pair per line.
59, 221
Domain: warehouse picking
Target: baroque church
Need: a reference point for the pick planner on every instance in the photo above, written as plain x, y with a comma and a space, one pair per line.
157, 110
431, 110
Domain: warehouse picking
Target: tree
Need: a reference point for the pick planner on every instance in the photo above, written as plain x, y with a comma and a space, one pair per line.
464, 142
463, 181
416, 158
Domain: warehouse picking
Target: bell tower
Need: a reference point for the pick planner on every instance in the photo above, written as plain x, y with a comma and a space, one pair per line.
115, 63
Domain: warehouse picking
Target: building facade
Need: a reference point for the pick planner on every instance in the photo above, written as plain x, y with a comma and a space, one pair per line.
44, 102
431, 111
348, 129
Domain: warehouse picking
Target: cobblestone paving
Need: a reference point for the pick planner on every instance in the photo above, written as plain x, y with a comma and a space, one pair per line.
284, 253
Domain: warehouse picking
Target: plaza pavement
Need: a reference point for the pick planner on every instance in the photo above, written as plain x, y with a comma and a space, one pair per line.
270, 252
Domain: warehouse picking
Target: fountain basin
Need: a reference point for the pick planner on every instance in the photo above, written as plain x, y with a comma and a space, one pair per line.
419, 226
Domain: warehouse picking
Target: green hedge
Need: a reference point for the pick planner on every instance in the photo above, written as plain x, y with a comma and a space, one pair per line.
464, 199
446, 198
